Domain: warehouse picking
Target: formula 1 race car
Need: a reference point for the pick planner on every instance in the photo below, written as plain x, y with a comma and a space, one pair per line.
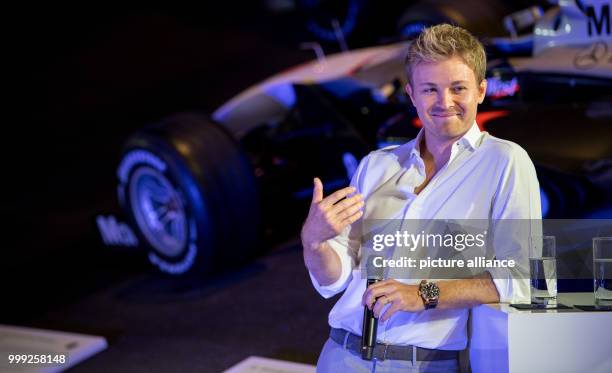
198, 189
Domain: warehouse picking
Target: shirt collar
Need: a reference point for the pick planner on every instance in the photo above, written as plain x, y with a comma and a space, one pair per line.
416, 149
469, 139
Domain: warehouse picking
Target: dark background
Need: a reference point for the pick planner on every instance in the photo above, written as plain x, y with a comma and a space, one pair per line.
84, 77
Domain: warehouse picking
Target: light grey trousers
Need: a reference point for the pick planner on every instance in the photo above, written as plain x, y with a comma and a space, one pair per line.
335, 358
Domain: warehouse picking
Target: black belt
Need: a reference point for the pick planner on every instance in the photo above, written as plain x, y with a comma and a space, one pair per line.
352, 342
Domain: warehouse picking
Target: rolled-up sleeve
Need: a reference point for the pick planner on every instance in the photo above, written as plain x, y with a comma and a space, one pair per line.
344, 249
516, 216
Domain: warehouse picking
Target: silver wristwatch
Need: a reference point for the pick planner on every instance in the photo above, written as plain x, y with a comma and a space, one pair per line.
430, 292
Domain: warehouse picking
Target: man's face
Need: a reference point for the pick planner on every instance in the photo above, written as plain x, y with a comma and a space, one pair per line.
446, 96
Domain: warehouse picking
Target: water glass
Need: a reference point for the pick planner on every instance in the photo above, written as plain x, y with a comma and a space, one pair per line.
543, 270
602, 271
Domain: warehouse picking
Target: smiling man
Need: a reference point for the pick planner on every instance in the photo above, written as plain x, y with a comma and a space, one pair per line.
451, 170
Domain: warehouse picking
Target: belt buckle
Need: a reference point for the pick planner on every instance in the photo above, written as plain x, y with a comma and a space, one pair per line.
384, 357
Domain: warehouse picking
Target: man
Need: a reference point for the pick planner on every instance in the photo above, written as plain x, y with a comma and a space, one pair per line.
451, 170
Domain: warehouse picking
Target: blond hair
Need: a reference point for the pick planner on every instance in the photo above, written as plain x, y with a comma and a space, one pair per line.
441, 42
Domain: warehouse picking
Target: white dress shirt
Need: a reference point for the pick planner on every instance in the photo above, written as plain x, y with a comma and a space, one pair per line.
485, 178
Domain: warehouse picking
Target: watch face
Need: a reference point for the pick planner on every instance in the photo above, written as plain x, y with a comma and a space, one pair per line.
430, 290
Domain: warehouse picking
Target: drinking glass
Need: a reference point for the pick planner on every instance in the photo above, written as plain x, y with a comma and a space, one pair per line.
543, 271
602, 271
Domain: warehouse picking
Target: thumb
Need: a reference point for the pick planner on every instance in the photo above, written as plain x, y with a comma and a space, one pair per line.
317, 192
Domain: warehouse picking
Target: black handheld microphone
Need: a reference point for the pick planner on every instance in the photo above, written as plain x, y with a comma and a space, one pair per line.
370, 323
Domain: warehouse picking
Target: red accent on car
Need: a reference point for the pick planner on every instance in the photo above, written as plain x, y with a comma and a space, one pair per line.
486, 116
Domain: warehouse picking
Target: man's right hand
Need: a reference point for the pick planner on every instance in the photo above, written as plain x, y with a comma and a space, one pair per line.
329, 216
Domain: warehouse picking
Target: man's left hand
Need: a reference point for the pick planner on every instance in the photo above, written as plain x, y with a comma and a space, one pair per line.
399, 297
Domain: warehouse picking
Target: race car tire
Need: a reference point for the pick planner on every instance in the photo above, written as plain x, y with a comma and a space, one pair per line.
189, 191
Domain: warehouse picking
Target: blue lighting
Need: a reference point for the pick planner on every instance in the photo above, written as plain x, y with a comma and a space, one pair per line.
602, 213
350, 164
329, 186
412, 29
342, 88
283, 92
511, 46
545, 202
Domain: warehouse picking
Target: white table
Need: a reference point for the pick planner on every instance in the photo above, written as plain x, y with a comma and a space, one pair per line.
505, 339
